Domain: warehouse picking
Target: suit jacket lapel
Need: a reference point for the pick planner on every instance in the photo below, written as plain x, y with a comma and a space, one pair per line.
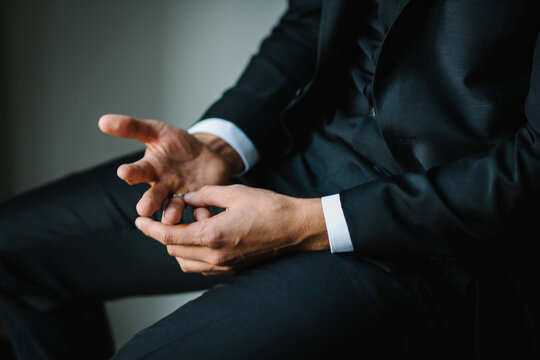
335, 26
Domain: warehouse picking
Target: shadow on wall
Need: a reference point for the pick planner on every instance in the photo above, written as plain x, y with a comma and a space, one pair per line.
69, 62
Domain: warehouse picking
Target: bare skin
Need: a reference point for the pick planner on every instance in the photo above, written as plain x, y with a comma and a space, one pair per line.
257, 224
174, 161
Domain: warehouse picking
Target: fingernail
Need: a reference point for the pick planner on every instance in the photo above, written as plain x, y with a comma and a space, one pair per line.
138, 223
189, 194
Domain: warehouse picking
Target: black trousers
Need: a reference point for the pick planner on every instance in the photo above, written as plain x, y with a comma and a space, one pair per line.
69, 246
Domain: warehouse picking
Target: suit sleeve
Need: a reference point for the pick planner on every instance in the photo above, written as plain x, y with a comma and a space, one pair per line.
486, 201
285, 61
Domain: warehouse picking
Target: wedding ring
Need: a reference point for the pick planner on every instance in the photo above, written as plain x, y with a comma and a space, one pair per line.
178, 195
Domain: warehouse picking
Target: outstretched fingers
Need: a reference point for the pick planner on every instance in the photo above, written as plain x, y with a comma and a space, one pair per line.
182, 234
152, 199
137, 172
123, 126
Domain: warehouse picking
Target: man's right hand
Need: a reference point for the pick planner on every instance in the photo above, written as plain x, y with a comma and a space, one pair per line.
174, 161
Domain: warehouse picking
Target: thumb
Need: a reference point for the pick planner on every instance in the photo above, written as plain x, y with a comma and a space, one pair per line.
219, 196
127, 127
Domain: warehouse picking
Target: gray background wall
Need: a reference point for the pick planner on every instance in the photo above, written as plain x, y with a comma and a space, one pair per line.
67, 62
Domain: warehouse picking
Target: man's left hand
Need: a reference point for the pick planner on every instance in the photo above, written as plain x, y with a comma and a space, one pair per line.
257, 224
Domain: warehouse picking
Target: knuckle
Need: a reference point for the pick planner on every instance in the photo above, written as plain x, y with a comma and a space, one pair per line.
200, 237
214, 240
207, 234
205, 190
236, 187
210, 240
156, 194
219, 259
149, 198
167, 238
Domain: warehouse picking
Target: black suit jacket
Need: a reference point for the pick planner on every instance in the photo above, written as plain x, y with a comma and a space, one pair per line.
457, 99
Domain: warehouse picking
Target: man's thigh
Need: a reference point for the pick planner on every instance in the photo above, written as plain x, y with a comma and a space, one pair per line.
314, 304
76, 238
64, 249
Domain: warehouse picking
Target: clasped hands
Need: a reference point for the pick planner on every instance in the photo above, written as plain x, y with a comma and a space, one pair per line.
257, 224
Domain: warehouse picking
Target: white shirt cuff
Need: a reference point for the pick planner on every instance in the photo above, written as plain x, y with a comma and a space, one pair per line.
232, 135
336, 226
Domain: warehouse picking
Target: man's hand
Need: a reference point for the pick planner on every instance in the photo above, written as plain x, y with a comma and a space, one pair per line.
174, 161
257, 224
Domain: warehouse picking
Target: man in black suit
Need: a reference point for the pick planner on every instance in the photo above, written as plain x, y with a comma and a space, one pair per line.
388, 151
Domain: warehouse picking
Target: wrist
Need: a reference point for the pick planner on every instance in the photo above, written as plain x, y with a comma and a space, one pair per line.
313, 235
224, 150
